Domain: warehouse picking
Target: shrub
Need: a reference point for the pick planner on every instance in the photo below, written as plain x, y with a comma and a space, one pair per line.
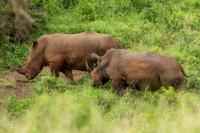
69, 4
194, 81
87, 10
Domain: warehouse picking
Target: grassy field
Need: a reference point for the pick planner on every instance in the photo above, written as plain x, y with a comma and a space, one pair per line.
169, 27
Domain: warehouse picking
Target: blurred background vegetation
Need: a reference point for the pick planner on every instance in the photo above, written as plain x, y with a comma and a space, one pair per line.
166, 26
170, 27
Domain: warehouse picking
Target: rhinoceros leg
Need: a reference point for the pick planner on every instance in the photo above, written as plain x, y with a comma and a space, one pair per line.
144, 86
54, 72
55, 68
68, 74
119, 86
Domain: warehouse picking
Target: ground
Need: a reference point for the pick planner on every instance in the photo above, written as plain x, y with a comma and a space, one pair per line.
14, 83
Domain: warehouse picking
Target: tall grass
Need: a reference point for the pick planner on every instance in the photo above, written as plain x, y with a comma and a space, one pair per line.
86, 109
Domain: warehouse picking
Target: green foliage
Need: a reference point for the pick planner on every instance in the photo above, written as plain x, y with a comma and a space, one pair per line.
87, 10
86, 109
13, 57
17, 107
69, 3
194, 81
169, 25
46, 84
16, 54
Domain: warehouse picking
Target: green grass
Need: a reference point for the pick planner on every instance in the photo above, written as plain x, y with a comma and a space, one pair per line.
83, 108
170, 27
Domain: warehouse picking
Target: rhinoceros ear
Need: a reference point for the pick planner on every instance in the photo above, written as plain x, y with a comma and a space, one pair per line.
34, 44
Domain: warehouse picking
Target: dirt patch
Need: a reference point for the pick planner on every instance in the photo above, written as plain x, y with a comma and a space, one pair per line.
23, 89
13, 83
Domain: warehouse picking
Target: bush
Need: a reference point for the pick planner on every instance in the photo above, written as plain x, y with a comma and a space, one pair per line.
69, 4
16, 54
194, 81
87, 10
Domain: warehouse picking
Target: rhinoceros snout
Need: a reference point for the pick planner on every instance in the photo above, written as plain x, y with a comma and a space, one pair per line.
95, 84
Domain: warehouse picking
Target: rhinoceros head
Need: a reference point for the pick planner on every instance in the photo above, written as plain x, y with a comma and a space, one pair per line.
33, 65
98, 75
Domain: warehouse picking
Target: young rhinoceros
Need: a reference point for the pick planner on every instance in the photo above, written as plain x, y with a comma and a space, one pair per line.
65, 52
140, 71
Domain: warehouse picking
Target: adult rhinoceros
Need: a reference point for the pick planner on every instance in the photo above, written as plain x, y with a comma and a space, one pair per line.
65, 52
